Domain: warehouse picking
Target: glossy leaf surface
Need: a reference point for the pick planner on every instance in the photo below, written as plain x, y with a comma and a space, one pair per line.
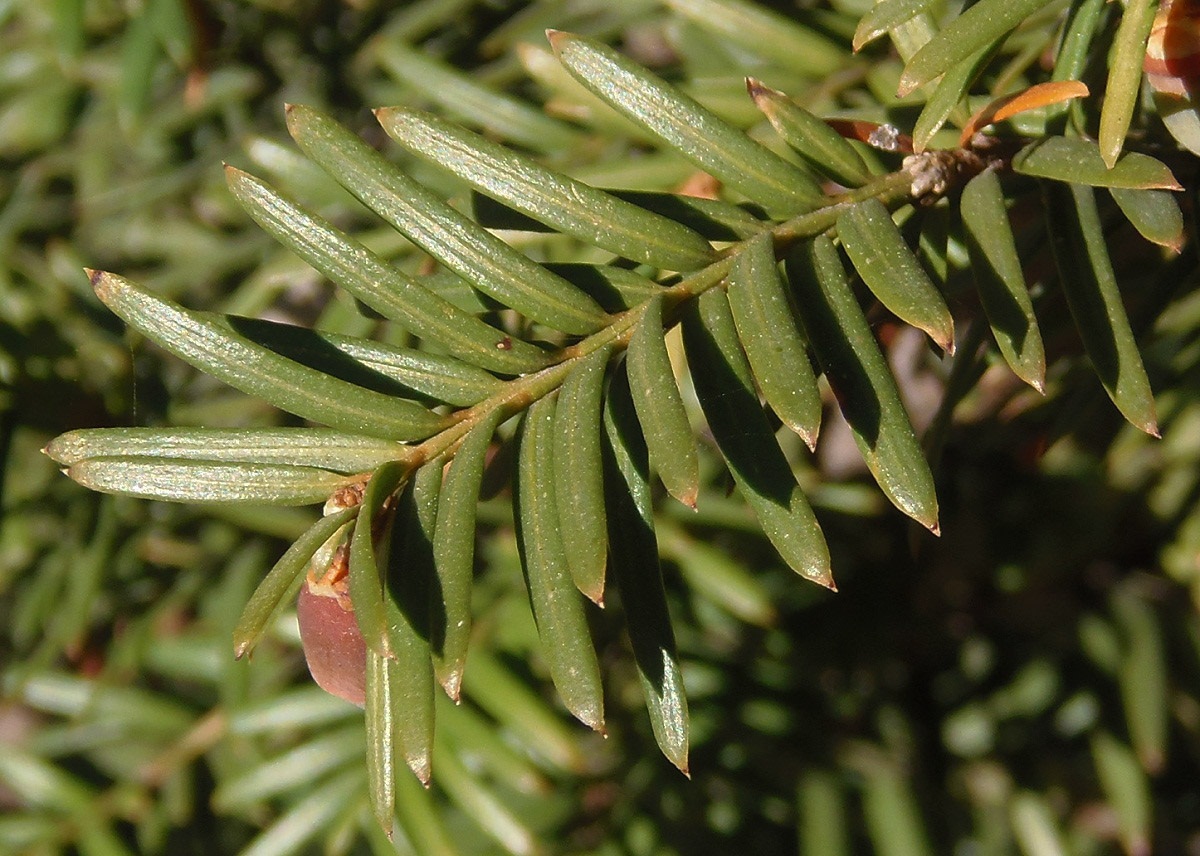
578, 474
638, 576
888, 267
885, 16
1154, 213
768, 330
1079, 162
410, 598
819, 145
866, 392
379, 284
309, 447
217, 349
660, 407
557, 607
1000, 279
708, 141
454, 555
726, 391
981, 24
176, 480
1124, 78
366, 569
562, 202
476, 255
1087, 277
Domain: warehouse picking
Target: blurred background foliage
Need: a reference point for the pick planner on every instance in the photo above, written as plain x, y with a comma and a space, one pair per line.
1029, 683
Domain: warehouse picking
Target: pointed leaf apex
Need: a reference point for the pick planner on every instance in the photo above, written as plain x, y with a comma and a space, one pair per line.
452, 684
756, 88
592, 718
103, 283
907, 85
291, 115
809, 438
935, 527
421, 768
555, 36
821, 577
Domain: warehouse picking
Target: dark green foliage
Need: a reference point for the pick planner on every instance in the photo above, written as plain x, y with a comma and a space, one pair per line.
501, 262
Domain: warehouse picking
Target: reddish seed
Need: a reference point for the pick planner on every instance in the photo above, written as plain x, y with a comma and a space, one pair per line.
333, 646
